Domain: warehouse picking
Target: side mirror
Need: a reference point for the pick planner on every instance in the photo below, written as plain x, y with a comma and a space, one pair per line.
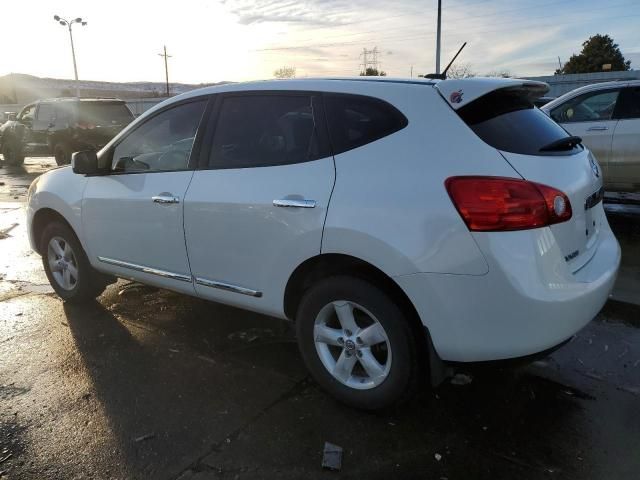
85, 162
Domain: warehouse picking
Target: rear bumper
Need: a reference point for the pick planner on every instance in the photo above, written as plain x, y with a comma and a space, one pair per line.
527, 303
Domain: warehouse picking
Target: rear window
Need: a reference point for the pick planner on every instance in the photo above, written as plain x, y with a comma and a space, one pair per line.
356, 120
509, 121
104, 113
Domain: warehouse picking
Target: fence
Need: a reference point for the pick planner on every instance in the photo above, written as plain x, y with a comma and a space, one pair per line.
561, 84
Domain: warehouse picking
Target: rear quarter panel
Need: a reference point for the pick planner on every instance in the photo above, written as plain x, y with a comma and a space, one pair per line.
389, 205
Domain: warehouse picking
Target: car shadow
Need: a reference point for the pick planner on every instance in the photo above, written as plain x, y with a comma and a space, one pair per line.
176, 376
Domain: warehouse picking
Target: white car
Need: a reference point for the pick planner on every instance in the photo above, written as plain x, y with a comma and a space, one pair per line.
401, 224
607, 118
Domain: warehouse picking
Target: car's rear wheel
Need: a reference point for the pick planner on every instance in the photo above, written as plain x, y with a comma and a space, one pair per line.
12, 154
62, 154
67, 266
357, 343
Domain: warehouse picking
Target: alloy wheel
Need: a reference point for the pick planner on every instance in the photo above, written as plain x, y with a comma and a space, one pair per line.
352, 345
62, 262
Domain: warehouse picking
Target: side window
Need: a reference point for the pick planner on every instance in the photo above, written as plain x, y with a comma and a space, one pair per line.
45, 112
64, 113
162, 143
263, 130
27, 113
356, 120
590, 107
629, 104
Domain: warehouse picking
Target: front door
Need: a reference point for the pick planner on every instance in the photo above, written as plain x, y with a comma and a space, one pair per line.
257, 208
41, 125
133, 217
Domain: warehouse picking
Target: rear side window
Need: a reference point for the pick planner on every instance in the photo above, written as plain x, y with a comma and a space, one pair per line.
629, 104
103, 113
265, 130
356, 120
509, 121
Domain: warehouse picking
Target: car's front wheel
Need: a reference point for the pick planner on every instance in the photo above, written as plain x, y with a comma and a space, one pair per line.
357, 343
67, 266
11, 153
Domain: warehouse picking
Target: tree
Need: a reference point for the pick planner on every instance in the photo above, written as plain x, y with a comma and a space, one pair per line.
462, 70
597, 51
285, 72
373, 72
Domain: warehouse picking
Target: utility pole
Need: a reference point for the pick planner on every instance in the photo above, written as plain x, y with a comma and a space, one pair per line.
411, 71
438, 36
166, 68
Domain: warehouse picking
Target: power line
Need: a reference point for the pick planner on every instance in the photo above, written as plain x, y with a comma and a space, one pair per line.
427, 34
450, 22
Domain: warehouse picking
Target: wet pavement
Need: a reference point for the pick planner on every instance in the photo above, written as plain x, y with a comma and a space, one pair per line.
146, 383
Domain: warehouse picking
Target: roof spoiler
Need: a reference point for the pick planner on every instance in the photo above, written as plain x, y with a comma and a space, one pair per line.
459, 93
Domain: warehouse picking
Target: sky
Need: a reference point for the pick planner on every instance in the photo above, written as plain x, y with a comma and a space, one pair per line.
239, 40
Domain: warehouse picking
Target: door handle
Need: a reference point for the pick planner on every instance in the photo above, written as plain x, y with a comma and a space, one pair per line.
290, 202
597, 128
165, 198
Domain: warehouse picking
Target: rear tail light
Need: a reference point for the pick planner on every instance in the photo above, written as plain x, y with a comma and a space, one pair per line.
85, 125
490, 204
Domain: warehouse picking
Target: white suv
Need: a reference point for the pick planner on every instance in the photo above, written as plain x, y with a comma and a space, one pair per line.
401, 224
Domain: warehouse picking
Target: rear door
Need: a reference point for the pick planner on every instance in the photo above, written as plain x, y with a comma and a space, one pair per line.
623, 171
590, 116
256, 208
542, 151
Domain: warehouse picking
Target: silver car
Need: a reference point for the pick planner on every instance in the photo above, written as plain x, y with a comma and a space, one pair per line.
607, 118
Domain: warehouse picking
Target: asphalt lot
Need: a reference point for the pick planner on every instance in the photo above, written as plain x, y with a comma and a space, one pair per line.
147, 383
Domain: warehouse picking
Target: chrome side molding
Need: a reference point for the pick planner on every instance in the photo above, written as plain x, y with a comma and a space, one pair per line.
228, 287
142, 268
184, 278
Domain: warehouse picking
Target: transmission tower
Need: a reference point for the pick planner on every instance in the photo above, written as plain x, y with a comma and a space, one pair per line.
370, 59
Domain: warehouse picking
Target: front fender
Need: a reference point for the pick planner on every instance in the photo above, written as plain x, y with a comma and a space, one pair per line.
59, 190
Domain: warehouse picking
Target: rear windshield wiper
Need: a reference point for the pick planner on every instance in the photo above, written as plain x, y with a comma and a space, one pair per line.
566, 143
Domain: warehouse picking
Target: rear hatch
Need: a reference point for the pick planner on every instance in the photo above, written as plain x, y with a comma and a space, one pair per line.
503, 115
101, 120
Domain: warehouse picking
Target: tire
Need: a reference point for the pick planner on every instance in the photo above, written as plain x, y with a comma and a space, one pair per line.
84, 283
62, 154
12, 154
397, 364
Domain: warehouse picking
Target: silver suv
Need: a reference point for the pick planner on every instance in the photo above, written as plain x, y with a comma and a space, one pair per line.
607, 118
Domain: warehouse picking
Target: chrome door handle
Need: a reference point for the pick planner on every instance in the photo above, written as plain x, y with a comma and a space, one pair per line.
165, 198
597, 128
286, 202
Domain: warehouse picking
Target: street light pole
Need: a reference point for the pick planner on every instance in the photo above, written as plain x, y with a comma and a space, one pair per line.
69, 24
438, 37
